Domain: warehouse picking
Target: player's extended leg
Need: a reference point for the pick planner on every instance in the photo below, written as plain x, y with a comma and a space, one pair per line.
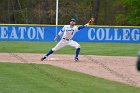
50, 52
77, 46
61, 44
77, 53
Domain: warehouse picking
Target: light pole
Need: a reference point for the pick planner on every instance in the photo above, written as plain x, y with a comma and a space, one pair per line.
57, 12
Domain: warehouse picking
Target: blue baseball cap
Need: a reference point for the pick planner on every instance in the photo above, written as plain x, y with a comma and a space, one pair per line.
73, 19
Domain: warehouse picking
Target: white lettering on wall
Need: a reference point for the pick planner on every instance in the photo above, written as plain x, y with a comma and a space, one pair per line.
135, 34
40, 32
4, 34
116, 36
91, 32
126, 34
100, 34
13, 34
22, 32
108, 37
31, 33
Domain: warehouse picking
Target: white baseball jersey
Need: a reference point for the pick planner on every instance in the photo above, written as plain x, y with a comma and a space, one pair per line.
68, 31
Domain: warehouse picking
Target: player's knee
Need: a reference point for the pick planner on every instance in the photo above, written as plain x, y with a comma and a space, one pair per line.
78, 46
53, 49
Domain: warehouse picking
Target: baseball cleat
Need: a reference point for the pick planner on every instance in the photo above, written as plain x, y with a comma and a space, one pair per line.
43, 58
76, 59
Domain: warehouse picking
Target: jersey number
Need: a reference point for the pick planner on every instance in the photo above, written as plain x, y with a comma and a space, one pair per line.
72, 32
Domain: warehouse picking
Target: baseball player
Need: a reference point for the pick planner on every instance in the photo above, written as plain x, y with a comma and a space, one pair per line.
68, 32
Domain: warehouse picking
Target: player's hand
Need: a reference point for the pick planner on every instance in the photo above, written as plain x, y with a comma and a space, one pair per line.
91, 21
55, 39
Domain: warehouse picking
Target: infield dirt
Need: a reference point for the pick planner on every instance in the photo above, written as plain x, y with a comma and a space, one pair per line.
115, 68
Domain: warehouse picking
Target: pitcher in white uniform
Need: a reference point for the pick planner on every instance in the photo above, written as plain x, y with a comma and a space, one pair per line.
68, 32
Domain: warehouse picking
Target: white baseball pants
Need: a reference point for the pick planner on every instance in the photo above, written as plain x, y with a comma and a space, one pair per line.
64, 43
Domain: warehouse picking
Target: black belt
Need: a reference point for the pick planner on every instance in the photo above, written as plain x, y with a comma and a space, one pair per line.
66, 39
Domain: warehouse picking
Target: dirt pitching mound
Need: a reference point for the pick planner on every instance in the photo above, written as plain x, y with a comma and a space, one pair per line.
115, 68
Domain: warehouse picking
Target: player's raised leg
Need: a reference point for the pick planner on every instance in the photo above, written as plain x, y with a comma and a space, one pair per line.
77, 46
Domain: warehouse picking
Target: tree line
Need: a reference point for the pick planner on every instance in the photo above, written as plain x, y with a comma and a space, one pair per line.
105, 12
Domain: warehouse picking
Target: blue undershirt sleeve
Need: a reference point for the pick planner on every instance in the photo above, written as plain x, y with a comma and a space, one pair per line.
81, 27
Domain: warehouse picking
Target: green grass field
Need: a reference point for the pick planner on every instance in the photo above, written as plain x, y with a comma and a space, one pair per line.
33, 78
112, 49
